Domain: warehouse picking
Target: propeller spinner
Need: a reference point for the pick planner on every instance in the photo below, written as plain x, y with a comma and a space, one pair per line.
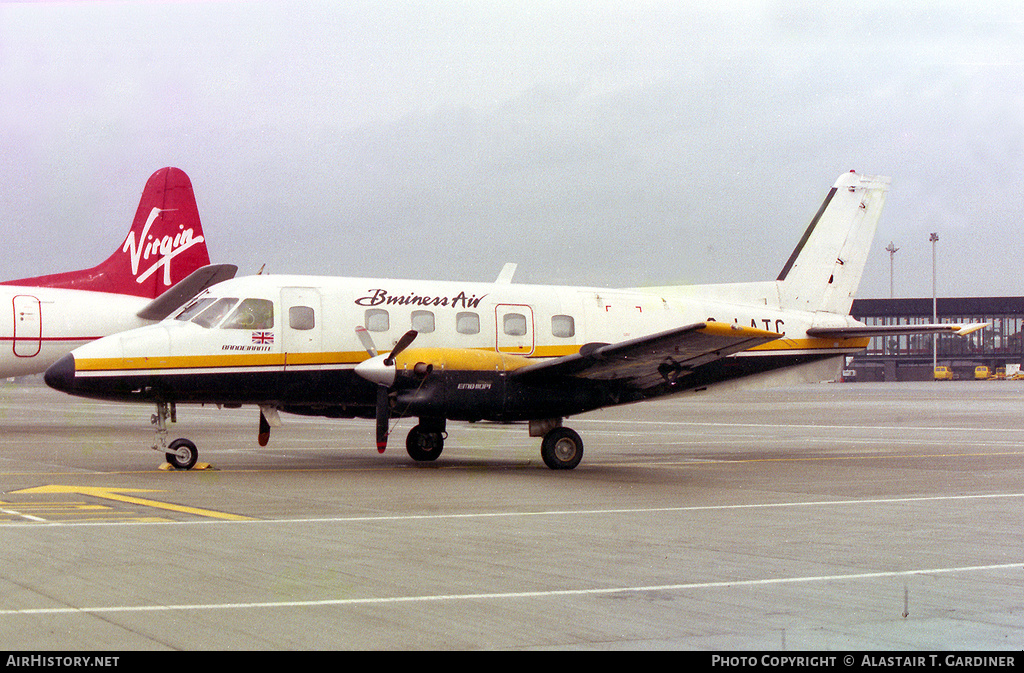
380, 369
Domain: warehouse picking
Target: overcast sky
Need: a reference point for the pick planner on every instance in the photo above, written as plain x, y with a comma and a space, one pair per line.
593, 143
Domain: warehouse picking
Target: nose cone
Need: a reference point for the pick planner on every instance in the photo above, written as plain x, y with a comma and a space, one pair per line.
376, 371
61, 374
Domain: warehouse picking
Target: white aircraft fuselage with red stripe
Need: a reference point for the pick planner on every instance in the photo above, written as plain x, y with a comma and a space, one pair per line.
45, 317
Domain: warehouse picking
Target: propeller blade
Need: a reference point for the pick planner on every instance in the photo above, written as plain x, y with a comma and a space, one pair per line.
382, 373
264, 435
383, 416
402, 344
366, 340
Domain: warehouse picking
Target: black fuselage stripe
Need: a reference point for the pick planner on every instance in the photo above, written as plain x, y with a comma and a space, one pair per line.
481, 395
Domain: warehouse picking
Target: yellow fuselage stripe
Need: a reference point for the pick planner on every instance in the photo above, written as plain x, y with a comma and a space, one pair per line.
450, 358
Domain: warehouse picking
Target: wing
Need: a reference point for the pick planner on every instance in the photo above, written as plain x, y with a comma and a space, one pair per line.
188, 287
652, 360
894, 330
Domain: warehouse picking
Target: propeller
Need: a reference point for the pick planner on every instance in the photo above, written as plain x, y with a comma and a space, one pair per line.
366, 340
264, 435
381, 370
268, 418
402, 344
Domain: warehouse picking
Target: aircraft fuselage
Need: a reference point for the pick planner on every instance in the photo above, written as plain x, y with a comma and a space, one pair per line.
303, 359
499, 351
40, 324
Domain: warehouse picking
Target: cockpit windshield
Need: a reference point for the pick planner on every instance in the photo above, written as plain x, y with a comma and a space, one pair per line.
194, 308
215, 313
250, 314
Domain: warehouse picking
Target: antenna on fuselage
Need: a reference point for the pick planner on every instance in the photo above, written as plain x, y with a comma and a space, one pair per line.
507, 271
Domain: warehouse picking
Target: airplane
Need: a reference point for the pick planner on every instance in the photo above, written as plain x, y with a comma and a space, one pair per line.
162, 263
502, 352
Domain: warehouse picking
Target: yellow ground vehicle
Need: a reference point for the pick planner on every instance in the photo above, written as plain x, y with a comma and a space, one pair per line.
943, 373
981, 372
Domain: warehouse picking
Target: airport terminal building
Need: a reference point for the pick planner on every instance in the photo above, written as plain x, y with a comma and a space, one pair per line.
909, 358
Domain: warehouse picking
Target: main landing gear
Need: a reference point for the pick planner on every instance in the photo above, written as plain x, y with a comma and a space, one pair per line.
426, 441
561, 448
181, 453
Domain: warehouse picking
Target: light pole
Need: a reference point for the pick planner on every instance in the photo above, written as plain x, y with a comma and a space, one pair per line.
934, 238
892, 252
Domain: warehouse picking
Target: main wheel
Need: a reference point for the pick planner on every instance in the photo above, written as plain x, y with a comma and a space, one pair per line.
562, 449
183, 454
424, 445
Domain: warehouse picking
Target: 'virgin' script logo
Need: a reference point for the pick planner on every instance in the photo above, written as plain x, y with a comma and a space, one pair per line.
165, 248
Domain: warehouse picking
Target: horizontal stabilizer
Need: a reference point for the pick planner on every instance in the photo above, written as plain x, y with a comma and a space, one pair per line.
894, 330
190, 286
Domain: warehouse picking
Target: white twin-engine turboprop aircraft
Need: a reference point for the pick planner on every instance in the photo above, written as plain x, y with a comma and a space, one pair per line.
440, 351
162, 263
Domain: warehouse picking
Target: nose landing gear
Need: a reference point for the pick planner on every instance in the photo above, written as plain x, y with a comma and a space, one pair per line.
181, 453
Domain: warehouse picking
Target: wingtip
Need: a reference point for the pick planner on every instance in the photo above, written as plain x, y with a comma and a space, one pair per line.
973, 327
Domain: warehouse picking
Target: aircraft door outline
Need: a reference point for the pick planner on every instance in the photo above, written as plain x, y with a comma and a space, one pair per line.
301, 324
28, 326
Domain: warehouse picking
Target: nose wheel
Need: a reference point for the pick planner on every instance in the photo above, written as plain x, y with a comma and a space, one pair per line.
181, 453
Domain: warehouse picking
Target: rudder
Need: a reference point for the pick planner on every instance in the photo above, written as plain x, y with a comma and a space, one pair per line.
825, 269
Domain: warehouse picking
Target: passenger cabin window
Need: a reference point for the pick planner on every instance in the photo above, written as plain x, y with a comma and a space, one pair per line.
211, 316
563, 326
423, 321
301, 317
467, 323
514, 324
377, 320
251, 314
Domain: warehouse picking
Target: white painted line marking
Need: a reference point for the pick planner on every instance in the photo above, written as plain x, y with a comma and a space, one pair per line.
12, 512
552, 593
552, 512
798, 426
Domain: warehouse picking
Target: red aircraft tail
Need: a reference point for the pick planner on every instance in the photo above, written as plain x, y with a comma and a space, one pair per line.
164, 245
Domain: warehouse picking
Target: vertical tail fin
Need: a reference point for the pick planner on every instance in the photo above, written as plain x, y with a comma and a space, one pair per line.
825, 269
164, 245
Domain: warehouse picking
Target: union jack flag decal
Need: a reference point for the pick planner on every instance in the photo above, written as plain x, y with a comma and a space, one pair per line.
263, 337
